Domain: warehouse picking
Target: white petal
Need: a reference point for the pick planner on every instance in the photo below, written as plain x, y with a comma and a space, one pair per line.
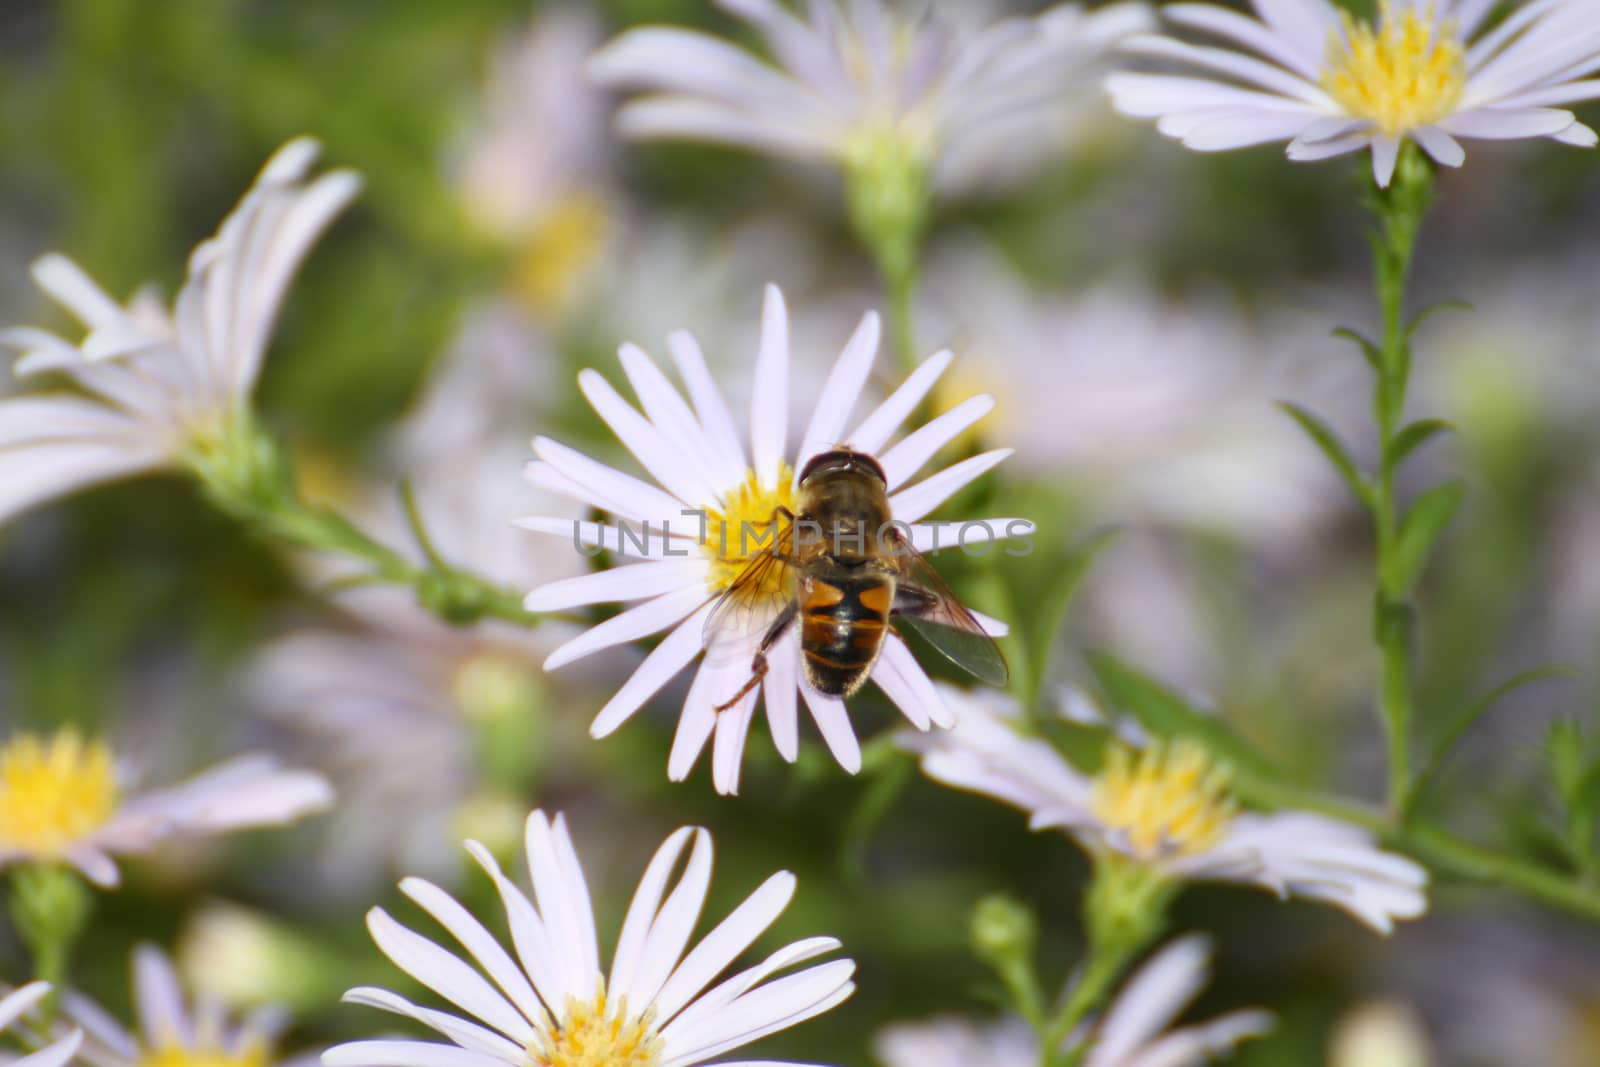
607, 488
728, 741
477, 941
840, 392
1385, 152
718, 949
769, 405
550, 973
635, 581
709, 405
1149, 1001
562, 896
642, 915
908, 686
913, 503
673, 924
876, 429
674, 467
712, 684
163, 1016
780, 690
665, 661
446, 975
908, 457
56, 1054
400, 1053
466, 1034
1444, 149
834, 723
1495, 125
642, 620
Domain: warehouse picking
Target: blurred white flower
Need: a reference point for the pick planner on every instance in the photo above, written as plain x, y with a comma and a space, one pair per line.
162, 390
714, 495
541, 138
1428, 71
61, 802
556, 1008
1380, 1033
1158, 409
172, 1031
946, 88
1168, 807
534, 169
56, 1054
388, 699
1136, 1030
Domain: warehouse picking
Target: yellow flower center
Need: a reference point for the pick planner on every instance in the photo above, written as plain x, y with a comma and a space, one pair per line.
748, 525
592, 1034
54, 793
175, 1055
1405, 72
559, 251
1164, 799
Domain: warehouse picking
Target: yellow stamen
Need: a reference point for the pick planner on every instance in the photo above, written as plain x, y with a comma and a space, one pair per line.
597, 1034
1165, 799
55, 792
175, 1055
1405, 72
747, 525
559, 251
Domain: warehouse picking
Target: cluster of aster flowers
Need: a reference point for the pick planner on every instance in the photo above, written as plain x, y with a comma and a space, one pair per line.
916, 102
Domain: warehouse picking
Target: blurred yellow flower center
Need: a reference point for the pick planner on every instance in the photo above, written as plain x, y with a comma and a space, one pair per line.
174, 1055
1407, 71
54, 793
597, 1034
747, 525
559, 250
1164, 799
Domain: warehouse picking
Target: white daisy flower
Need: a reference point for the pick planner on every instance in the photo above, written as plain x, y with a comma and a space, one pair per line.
1429, 71
1135, 1031
552, 1006
61, 802
711, 494
162, 390
951, 92
1169, 807
172, 1031
14, 1005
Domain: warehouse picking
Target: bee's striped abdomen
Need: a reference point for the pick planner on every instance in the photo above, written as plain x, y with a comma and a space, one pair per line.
842, 627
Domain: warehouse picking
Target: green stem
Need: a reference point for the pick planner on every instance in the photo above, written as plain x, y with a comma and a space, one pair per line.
1125, 910
1400, 210
50, 906
246, 475
1092, 989
902, 288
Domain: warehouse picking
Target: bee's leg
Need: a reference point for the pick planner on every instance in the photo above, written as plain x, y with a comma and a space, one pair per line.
758, 665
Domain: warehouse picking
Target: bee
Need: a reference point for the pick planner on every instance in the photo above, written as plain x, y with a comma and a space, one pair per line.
845, 569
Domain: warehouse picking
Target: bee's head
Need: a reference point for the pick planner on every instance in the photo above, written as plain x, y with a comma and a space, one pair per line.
840, 462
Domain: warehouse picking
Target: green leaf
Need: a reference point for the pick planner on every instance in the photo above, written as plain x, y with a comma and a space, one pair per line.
1054, 600
1414, 437
1084, 746
1473, 712
1368, 347
1324, 438
1431, 310
1419, 532
1164, 714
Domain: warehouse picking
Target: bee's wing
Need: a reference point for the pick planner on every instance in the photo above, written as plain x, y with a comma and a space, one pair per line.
746, 609
928, 607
